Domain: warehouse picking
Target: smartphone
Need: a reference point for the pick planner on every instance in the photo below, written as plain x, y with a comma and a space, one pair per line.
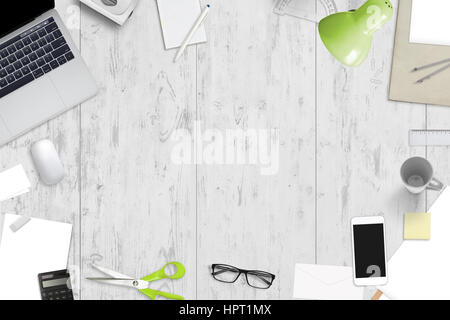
369, 251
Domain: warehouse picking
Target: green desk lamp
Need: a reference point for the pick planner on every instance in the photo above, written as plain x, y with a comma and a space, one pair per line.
348, 35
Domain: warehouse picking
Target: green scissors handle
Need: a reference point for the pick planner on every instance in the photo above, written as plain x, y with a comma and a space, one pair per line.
161, 274
152, 294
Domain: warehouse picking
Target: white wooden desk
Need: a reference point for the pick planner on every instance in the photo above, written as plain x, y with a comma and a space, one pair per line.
342, 144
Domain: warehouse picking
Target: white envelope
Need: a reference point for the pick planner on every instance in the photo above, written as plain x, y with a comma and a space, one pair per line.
314, 282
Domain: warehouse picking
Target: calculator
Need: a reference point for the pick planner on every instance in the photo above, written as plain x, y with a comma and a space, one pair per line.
55, 285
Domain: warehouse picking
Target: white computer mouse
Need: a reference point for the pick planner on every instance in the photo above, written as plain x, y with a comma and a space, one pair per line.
47, 162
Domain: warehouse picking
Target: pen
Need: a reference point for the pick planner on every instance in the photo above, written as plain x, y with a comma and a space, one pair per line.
191, 33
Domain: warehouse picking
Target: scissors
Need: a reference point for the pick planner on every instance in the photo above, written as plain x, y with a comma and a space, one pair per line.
142, 285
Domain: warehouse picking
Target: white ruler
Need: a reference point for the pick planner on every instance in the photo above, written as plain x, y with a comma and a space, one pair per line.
419, 138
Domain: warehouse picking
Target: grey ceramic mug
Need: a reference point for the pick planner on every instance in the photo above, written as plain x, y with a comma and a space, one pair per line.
418, 175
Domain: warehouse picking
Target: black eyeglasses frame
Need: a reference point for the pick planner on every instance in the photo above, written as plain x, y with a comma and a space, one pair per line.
246, 273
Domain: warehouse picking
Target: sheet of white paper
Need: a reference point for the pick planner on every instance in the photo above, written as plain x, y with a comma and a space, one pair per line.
315, 282
177, 19
39, 246
13, 183
430, 23
420, 269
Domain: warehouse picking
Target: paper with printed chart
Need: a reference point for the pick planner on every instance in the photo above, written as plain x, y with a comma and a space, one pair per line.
39, 246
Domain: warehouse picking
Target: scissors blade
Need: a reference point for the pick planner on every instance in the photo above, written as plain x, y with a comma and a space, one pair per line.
111, 273
133, 283
137, 284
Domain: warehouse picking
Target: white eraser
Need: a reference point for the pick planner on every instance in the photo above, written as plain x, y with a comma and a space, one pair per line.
19, 223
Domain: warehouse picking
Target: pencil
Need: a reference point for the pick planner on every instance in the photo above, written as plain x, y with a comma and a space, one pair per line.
433, 73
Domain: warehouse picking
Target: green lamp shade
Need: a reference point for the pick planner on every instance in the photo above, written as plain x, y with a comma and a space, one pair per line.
348, 35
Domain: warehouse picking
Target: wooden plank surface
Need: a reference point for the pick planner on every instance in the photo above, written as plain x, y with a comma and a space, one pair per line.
341, 145
256, 73
138, 209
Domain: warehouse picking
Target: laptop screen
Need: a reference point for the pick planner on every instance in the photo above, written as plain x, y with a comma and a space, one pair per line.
18, 13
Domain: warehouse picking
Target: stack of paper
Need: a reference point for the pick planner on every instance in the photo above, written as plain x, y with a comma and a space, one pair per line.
39, 246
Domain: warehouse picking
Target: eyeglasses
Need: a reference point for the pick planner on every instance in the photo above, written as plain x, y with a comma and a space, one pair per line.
229, 274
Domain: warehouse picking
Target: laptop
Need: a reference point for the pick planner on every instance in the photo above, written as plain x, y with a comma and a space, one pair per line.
42, 73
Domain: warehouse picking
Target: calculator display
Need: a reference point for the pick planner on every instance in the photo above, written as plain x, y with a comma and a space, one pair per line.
55, 283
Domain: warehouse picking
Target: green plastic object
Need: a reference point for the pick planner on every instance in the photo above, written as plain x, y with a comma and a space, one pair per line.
348, 35
161, 274
152, 294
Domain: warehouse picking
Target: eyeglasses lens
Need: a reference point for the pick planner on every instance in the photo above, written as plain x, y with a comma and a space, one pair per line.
259, 280
225, 273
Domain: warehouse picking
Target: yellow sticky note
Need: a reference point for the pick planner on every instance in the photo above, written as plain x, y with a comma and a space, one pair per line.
417, 226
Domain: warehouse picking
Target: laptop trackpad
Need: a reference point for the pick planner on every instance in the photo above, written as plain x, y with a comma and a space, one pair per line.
30, 106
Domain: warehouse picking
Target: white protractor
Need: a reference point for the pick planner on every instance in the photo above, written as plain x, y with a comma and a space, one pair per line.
306, 9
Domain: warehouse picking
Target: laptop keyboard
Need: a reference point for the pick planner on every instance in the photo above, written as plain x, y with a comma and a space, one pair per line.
32, 54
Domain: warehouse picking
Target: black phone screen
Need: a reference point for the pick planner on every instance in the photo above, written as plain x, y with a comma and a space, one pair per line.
369, 252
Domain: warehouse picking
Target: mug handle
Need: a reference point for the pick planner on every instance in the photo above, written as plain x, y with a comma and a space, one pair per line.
435, 185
